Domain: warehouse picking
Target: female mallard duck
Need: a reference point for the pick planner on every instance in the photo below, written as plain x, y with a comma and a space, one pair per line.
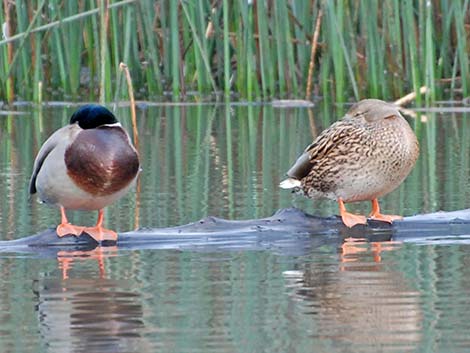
362, 157
85, 165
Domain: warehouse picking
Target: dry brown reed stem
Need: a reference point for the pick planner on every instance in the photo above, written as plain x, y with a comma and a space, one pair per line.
411, 113
312, 54
135, 133
210, 27
410, 96
313, 128
130, 89
407, 99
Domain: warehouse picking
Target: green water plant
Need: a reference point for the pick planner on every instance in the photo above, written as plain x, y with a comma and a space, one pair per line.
247, 49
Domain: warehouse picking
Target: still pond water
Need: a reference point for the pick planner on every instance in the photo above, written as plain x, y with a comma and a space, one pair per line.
227, 162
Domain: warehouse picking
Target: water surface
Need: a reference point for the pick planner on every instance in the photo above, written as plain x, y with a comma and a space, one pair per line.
227, 162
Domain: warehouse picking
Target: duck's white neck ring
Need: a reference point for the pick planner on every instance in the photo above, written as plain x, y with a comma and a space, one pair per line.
118, 124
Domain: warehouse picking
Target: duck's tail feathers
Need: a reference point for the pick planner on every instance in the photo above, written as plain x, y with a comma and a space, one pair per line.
290, 183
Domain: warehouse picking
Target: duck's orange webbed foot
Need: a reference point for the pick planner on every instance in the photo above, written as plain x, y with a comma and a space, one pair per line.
98, 232
349, 219
65, 228
376, 215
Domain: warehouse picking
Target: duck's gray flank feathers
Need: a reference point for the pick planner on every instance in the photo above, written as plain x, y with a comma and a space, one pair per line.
45, 150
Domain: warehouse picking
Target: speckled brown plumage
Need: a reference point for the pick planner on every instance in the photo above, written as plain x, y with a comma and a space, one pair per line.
362, 157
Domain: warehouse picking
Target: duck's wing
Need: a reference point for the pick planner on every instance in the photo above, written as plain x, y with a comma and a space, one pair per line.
57, 137
325, 145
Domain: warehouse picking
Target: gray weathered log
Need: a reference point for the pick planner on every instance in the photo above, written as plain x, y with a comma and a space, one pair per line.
288, 230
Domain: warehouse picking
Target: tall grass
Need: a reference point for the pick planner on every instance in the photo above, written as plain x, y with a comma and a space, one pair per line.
250, 49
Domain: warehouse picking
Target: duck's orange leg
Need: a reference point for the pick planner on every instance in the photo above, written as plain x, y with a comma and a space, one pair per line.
375, 213
65, 228
98, 232
350, 219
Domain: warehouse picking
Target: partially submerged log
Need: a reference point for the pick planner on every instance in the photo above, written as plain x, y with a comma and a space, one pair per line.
288, 230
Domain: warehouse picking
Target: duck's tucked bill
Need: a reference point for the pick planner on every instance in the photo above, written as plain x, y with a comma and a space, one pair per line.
290, 183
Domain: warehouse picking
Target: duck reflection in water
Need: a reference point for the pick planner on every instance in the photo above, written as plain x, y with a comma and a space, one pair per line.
66, 258
352, 247
89, 314
359, 300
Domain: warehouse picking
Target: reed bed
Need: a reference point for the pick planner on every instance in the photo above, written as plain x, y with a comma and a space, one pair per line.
241, 49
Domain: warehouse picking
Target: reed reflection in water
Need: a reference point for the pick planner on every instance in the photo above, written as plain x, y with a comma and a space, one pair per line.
227, 161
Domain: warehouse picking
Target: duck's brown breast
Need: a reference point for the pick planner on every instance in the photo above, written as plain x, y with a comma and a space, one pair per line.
102, 161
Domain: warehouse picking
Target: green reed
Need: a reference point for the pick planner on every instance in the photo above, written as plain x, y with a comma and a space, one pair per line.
462, 50
226, 55
255, 50
174, 48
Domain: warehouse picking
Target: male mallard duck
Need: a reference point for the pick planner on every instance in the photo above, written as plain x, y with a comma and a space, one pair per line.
362, 157
85, 165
